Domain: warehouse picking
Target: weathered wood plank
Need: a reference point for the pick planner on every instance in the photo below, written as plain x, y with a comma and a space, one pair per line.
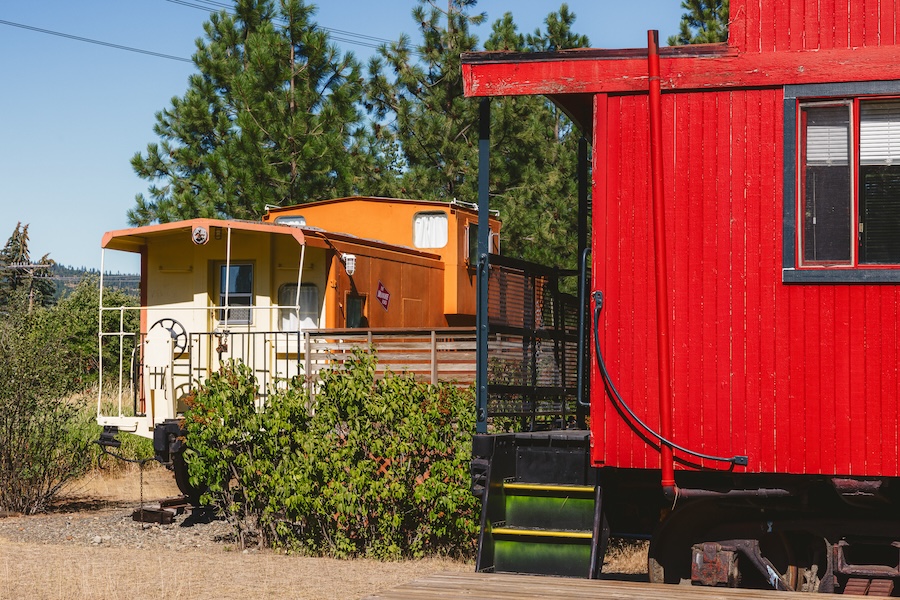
499, 586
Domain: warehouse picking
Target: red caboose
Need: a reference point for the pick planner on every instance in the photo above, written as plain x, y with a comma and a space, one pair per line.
746, 241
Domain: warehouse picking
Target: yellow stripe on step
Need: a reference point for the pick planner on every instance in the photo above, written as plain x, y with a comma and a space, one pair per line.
538, 487
578, 535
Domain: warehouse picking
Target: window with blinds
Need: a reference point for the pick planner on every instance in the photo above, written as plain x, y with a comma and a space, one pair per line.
850, 186
879, 172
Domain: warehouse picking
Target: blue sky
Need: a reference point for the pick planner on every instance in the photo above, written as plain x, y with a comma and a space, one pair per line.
73, 113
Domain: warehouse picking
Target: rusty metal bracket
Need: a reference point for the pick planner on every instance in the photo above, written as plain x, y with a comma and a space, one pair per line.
716, 563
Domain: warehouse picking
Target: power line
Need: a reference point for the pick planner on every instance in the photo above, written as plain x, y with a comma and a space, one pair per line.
338, 35
98, 42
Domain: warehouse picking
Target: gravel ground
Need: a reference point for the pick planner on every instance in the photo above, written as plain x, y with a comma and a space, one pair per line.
113, 526
97, 511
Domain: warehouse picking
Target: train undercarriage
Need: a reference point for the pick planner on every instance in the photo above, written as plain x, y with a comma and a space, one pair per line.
545, 510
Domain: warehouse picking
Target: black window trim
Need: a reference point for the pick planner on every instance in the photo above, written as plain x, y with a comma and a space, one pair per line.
833, 274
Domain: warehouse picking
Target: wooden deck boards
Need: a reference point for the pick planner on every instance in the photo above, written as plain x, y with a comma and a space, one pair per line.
491, 586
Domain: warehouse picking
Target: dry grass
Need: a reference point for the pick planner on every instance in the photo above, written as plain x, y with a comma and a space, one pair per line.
67, 573
29, 570
626, 557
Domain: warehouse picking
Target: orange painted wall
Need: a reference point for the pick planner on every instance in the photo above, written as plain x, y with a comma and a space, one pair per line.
391, 220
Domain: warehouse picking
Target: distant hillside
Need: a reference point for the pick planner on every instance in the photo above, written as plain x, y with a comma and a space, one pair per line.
66, 278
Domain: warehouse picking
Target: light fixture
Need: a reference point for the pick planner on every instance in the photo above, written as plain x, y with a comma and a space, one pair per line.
350, 264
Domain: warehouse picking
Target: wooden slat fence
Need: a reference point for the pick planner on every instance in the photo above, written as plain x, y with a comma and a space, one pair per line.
429, 354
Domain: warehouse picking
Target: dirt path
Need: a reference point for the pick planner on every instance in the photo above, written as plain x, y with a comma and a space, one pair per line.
91, 548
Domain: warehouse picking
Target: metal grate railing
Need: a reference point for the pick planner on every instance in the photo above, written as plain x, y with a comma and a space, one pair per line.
532, 347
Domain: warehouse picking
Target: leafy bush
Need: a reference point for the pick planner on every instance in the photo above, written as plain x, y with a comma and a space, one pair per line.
369, 467
43, 439
77, 314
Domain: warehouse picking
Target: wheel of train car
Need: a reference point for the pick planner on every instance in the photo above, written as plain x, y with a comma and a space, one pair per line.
182, 480
179, 335
669, 559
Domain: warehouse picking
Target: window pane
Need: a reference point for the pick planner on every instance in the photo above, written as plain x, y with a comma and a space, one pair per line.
473, 244
879, 212
239, 279
826, 195
430, 230
308, 317
356, 312
879, 133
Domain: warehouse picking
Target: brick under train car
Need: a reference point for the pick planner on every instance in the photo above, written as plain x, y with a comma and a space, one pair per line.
742, 310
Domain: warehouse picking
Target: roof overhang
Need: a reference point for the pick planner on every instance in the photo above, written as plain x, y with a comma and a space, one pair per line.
134, 240
571, 78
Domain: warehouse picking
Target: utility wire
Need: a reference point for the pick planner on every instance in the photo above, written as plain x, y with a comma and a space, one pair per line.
337, 35
98, 42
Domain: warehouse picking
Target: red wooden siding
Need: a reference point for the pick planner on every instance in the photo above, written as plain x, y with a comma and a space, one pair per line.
803, 378
779, 25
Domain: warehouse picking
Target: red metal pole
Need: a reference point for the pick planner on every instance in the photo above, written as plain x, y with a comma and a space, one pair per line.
664, 348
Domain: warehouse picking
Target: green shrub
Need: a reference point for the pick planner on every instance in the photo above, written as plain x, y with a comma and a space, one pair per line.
368, 468
44, 440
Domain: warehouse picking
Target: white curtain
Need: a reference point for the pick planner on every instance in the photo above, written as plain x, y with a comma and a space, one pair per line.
430, 230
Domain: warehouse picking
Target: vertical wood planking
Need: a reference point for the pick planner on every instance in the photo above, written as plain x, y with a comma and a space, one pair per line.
679, 156
813, 398
887, 27
842, 379
811, 25
841, 24
709, 314
874, 369
741, 248
737, 25
599, 230
871, 18
776, 24
757, 26
857, 23
721, 402
777, 338
796, 30
752, 39
830, 344
826, 27
759, 398
857, 434
889, 406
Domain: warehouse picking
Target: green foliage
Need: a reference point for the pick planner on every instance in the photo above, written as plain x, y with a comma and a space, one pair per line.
19, 272
271, 118
44, 438
369, 467
705, 22
417, 89
78, 316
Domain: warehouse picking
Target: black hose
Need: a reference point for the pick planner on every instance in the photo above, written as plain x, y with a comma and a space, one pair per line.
614, 395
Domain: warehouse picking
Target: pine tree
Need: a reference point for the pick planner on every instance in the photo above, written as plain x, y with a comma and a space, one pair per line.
423, 103
533, 156
19, 274
705, 22
272, 117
